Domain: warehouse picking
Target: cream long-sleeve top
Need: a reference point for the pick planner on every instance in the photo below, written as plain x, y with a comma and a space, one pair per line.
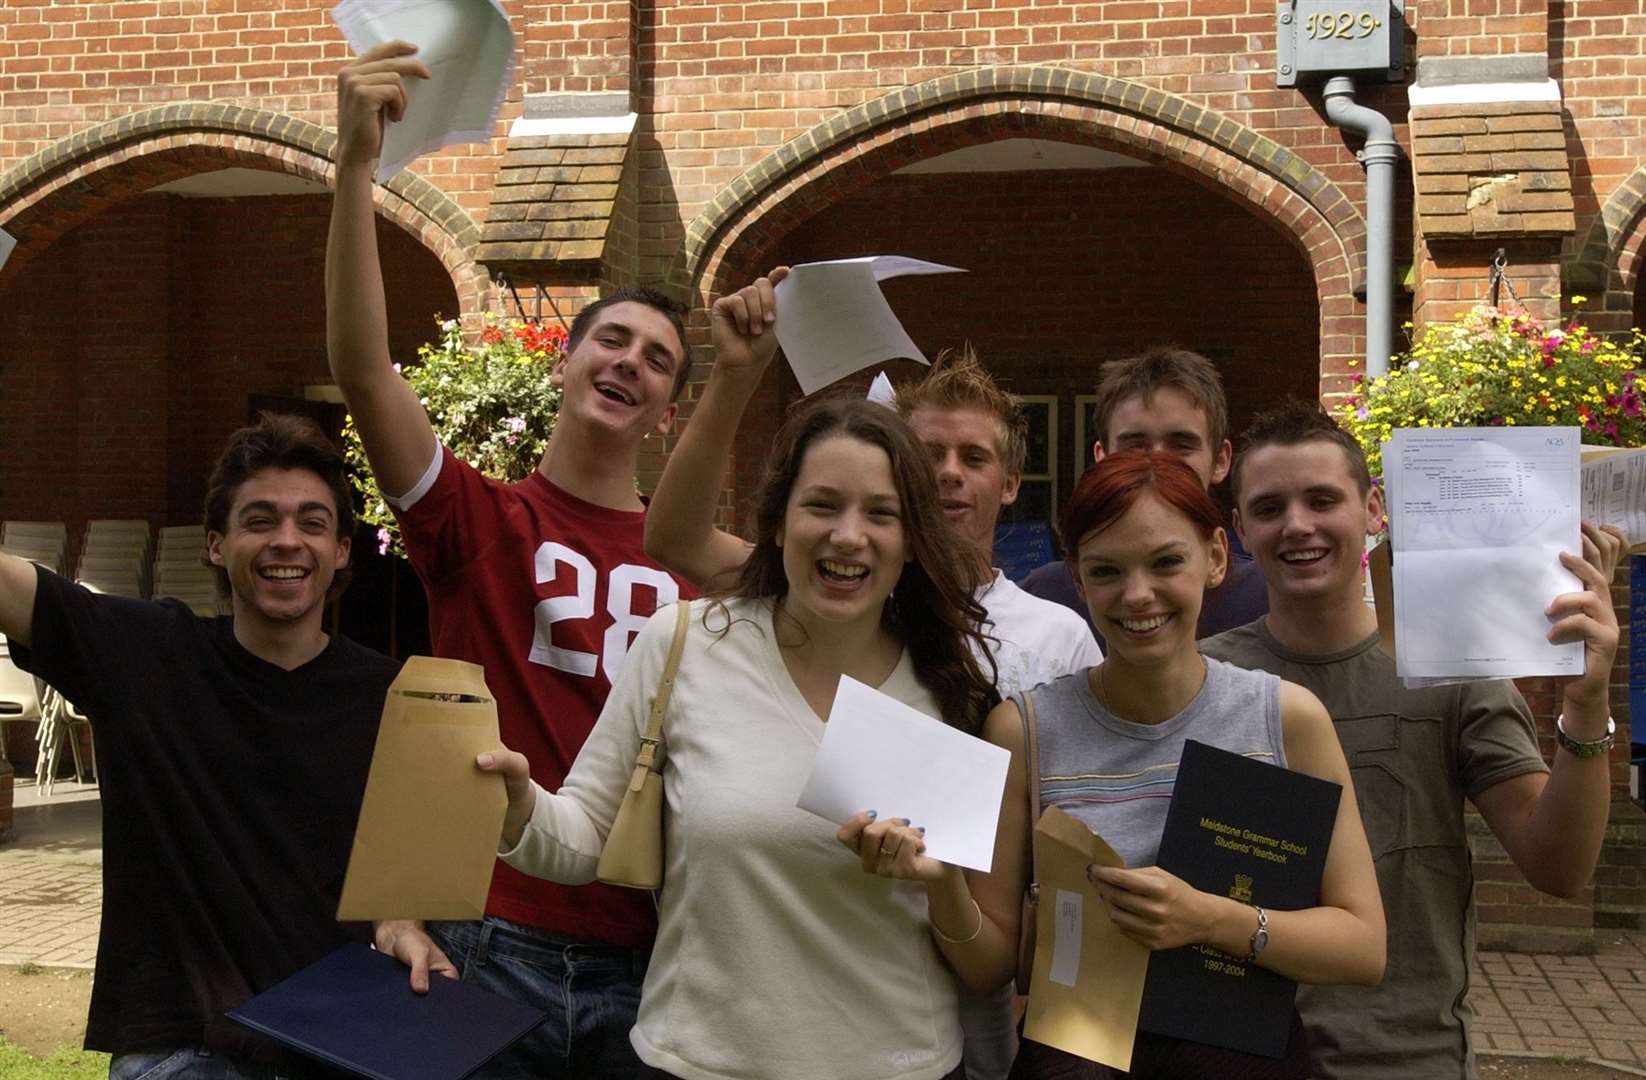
776, 955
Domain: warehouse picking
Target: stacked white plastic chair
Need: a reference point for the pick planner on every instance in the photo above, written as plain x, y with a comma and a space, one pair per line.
115, 557
20, 693
180, 572
44, 542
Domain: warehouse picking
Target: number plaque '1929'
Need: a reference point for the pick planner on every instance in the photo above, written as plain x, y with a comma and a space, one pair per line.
1330, 37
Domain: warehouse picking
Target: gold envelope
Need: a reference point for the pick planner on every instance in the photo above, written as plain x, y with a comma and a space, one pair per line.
430, 821
1087, 981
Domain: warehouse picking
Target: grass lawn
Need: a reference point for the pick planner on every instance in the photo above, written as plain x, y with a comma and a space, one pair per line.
64, 1063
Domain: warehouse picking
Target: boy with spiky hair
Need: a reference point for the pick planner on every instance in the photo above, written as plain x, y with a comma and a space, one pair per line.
1305, 504
1167, 399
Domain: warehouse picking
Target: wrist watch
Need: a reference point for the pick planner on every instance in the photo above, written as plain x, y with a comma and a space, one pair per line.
1592, 747
1260, 936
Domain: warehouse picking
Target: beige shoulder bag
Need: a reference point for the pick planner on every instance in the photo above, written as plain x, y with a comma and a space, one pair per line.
633, 855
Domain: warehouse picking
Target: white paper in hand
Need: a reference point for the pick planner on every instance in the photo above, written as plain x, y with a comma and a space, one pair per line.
879, 754
468, 48
7, 242
832, 318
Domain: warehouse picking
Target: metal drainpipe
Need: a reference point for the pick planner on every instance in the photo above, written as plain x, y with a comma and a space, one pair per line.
1380, 155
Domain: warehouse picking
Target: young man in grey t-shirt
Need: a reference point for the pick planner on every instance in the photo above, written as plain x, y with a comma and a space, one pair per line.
1304, 504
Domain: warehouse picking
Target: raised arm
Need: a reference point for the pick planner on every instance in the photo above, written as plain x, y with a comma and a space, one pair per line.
17, 585
399, 441
680, 531
1340, 941
1552, 824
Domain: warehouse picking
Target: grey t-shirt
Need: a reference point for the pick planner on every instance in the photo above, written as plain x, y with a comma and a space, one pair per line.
1415, 755
1117, 777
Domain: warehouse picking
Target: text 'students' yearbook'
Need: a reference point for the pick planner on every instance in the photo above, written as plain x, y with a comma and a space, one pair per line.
1258, 833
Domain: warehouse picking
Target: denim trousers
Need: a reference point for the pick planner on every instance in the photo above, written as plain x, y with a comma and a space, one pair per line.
590, 990
187, 1063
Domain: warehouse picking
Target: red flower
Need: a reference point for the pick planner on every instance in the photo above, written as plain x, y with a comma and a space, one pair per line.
491, 335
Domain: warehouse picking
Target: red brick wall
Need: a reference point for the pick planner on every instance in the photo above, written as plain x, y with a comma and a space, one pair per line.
135, 341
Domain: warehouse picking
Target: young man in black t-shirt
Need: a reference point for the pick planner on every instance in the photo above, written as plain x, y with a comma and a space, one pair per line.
232, 755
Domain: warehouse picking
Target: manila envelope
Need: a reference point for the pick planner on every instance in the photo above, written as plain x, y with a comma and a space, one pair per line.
429, 825
1087, 981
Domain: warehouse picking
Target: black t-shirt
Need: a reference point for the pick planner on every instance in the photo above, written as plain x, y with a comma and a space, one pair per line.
230, 792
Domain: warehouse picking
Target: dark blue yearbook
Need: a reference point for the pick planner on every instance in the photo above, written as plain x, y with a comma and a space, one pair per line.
1257, 833
355, 1010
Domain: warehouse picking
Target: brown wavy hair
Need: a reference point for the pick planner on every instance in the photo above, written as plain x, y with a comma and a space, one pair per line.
931, 609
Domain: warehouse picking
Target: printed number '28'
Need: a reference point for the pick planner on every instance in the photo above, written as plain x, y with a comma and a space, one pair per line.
580, 605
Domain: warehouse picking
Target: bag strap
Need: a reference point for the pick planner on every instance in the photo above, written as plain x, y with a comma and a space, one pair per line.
1031, 765
650, 758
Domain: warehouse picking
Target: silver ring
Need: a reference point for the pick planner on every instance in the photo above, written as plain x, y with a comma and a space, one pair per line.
889, 853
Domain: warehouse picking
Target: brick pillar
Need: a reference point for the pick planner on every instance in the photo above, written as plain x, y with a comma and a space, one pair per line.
1512, 914
1453, 276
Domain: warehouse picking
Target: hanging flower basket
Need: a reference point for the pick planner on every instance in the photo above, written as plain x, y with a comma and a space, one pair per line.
490, 403
1502, 367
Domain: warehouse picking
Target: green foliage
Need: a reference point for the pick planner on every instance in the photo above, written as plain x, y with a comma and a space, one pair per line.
64, 1063
1491, 367
490, 403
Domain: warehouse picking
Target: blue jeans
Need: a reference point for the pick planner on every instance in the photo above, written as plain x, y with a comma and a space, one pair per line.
590, 990
188, 1063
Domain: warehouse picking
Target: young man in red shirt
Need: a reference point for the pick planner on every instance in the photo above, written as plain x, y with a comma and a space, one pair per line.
543, 582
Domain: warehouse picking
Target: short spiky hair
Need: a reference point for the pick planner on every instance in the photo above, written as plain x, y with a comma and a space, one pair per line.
958, 380
1165, 367
1292, 423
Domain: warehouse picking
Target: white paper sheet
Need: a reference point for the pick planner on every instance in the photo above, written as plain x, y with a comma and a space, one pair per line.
1614, 491
879, 754
468, 48
7, 242
832, 318
1479, 517
881, 391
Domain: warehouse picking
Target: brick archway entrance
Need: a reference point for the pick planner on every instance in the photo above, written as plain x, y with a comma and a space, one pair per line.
68, 183
845, 154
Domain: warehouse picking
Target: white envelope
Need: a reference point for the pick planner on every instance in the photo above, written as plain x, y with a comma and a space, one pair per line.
879, 754
832, 318
468, 48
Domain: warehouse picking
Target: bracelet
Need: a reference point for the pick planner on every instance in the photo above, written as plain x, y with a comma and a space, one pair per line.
1260, 936
1584, 748
941, 936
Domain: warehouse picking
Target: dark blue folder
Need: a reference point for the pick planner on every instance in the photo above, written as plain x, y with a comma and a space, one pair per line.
355, 1009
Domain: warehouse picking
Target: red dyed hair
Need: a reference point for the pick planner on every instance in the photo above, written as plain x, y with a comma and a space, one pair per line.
1110, 487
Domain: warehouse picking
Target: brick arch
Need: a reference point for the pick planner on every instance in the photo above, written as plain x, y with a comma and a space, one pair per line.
851, 150
73, 180
1608, 265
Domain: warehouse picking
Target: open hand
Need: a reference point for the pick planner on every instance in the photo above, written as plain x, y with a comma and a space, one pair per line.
371, 91
1588, 615
891, 848
1152, 906
743, 322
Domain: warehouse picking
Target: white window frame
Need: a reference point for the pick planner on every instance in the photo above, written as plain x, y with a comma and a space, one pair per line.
1051, 403
1080, 434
